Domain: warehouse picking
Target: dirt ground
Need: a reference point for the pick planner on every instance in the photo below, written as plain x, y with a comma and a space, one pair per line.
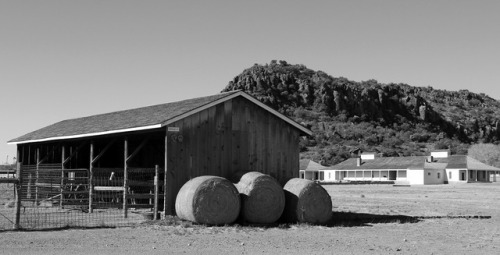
370, 219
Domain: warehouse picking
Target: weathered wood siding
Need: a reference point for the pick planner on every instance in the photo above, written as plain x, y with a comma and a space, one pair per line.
235, 136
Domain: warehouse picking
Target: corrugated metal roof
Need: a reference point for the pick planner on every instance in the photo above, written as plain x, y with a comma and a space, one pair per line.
143, 118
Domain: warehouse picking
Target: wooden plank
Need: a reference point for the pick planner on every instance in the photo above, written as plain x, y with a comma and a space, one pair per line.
36, 173
263, 142
228, 138
271, 167
109, 188
63, 155
211, 145
245, 126
18, 196
236, 139
125, 177
91, 177
156, 181
218, 136
203, 157
194, 147
252, 138
166, 206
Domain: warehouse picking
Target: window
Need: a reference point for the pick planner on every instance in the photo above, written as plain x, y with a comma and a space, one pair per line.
428, 173
439, 175
449, 175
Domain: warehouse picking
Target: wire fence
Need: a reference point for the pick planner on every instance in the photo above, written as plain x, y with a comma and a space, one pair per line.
7, 200
52, 197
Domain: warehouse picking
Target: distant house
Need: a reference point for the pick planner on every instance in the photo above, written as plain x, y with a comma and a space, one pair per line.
438, 168
311, 170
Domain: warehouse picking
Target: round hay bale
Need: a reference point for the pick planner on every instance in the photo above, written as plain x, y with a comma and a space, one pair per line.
306, 201
262, 198
208, 200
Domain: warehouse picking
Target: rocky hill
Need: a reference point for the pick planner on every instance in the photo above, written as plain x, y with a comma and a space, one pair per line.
390, 119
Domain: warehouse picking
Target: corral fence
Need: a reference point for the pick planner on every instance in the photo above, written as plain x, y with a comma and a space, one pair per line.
47, 196
7, 198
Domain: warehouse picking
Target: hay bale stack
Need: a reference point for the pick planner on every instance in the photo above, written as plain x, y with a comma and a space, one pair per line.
208, 200
262, 198
306, 201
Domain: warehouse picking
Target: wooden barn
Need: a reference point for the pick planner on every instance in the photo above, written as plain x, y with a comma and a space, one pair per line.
117, 152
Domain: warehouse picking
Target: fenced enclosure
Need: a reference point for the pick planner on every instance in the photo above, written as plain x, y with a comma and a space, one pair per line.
7, 199
47, 196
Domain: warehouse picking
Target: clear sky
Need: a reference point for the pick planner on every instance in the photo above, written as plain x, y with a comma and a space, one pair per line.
67, 59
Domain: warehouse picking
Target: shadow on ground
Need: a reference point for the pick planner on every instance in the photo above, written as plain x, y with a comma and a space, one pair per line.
351, 219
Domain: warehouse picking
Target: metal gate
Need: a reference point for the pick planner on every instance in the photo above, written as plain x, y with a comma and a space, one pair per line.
7, 199
46, 196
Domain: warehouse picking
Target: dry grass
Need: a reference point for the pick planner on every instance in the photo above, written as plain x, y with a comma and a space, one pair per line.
419, 201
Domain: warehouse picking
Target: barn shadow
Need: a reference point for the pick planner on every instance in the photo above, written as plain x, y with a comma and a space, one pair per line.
345, 219
352, 219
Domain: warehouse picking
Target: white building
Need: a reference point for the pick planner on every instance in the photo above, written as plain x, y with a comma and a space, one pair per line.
438, 168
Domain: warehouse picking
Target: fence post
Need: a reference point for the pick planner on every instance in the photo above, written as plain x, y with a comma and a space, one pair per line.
18, 186
125, 178
155, 211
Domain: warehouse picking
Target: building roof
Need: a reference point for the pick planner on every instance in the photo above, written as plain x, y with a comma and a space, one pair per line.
145, 118
382, 163
415, 163
474, 164
309, 165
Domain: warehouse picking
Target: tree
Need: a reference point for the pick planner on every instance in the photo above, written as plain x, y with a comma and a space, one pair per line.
486, 152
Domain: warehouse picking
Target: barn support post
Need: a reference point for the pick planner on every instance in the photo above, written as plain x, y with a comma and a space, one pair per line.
125, 177
18, 187
63, 155
28, 187
37, 174
166, 208
91, 178
156, 182
18, 153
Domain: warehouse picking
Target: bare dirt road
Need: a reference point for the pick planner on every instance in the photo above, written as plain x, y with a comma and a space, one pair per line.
370, 219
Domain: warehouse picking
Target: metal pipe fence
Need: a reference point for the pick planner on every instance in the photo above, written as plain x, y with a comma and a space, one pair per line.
52, 197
